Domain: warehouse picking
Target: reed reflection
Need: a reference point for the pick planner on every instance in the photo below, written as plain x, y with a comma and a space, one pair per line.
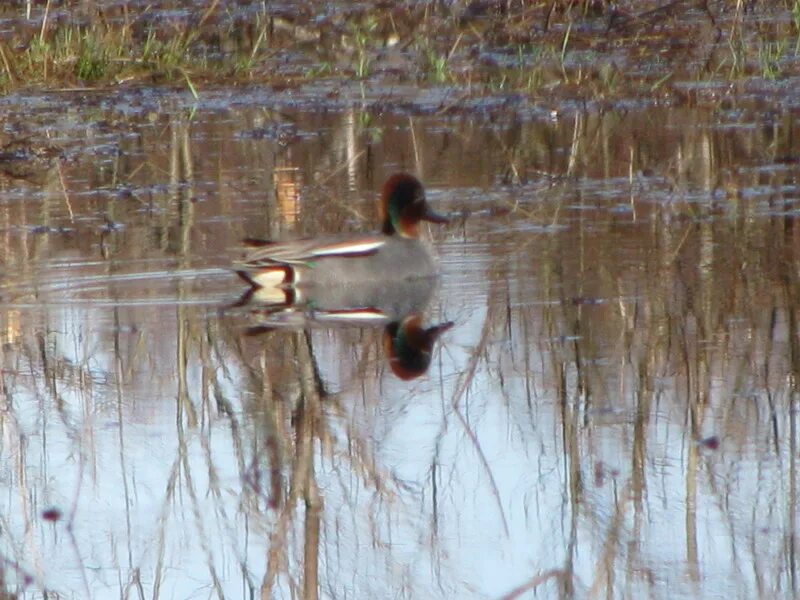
614, 411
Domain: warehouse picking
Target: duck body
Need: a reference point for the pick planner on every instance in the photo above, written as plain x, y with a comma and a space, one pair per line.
394, 254
335, 262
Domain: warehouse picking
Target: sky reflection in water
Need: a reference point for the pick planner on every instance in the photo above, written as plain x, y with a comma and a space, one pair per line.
615, 399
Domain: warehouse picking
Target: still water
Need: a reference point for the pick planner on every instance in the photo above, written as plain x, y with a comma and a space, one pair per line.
612, 413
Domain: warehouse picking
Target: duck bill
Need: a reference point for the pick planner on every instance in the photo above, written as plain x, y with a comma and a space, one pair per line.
434, 217
436, 330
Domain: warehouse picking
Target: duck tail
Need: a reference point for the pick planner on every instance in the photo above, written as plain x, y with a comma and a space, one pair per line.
267, 275
246, 276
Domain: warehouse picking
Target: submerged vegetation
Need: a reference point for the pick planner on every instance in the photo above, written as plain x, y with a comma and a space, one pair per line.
555, 47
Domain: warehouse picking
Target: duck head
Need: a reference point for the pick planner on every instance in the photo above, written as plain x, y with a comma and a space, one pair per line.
403, 206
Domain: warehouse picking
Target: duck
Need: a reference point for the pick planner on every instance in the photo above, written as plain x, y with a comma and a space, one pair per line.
394, 253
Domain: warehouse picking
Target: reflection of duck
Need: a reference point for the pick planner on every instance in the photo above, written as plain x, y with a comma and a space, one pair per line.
409, 345
394, 254
395, 305
369, 303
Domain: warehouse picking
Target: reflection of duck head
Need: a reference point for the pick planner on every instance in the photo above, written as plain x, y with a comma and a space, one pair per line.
409, 345
396, 306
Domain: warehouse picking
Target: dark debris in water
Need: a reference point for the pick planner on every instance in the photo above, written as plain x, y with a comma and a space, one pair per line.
710, 443
46, 229
28, 158
52, 514
283, 133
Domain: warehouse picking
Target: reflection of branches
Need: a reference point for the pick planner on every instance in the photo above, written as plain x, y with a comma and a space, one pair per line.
605, 562
158, 572
11, 430
360, 457
302, 482
198, 513
533, 583
465, 380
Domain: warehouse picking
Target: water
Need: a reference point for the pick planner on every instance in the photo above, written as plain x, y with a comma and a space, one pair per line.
612, 414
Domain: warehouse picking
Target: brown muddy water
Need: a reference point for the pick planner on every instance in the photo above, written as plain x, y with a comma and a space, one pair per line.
613, 413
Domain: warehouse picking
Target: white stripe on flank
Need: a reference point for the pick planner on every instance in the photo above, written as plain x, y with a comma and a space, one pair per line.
354, 315
349, 248
270, 295
271, 278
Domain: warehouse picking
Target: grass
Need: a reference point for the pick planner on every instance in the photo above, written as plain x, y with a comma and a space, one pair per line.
437, 68
796, 20
528, 47
770, 55
79, 56
105, 52
365, 41
92, 61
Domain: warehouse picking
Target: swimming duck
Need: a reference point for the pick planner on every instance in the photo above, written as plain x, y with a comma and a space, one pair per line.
395, 253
